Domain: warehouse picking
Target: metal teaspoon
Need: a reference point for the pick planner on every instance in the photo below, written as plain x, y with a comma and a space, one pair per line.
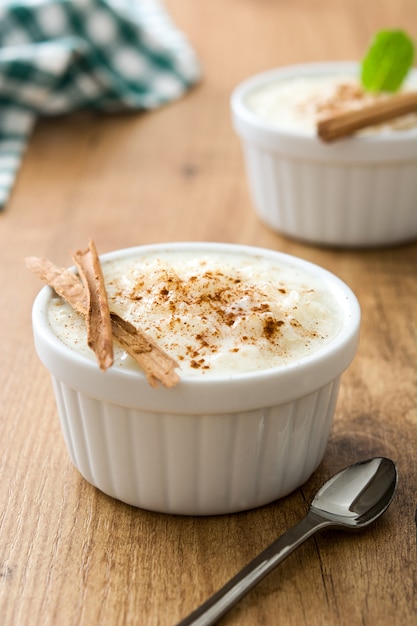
350, 500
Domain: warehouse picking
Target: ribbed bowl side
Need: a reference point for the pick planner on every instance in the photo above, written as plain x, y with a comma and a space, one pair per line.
334, 203
196, 464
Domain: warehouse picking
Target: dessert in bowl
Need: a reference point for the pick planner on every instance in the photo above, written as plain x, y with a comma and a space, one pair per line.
358, 191
261, 340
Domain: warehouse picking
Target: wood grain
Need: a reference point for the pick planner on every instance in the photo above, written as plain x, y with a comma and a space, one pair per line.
70, 555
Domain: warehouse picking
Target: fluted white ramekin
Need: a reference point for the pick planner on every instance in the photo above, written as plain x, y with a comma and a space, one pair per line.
356, 192
206, 446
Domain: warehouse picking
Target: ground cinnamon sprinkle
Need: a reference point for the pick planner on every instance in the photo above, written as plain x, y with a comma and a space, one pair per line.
346, 96
218, 311
216, 297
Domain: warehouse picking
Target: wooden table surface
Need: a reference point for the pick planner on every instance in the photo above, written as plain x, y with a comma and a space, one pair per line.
70, 555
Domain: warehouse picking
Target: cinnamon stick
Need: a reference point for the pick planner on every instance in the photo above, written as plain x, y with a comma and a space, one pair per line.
99, 332
344, 124
65, 283
156, 363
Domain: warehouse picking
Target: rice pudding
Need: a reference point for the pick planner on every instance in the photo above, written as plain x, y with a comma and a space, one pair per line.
297, 104
215, 312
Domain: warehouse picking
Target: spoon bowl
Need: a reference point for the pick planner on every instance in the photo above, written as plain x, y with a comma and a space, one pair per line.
350, 500
357, 495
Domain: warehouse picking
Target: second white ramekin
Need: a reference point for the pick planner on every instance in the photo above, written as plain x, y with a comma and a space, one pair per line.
356, 192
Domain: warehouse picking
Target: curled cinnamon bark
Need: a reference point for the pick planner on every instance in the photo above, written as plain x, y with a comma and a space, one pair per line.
156, 363
158, 366
99, 332
63, 282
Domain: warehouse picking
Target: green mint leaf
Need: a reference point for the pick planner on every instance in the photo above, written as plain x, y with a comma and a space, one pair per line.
387, 61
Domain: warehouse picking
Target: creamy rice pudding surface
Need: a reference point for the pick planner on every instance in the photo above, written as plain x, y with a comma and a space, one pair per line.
215, 313
297, 104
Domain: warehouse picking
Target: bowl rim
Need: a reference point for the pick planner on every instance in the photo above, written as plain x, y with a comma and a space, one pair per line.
400, 145
215, 394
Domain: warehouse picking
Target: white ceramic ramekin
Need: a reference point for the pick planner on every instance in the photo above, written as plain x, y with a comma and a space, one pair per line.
357, 192
206, 446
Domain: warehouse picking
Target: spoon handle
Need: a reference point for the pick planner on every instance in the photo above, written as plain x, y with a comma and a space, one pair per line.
225, 598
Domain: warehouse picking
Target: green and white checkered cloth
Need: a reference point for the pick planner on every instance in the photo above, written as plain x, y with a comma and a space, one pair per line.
58, 56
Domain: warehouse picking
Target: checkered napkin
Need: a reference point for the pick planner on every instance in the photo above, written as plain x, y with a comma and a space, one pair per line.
58, 56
